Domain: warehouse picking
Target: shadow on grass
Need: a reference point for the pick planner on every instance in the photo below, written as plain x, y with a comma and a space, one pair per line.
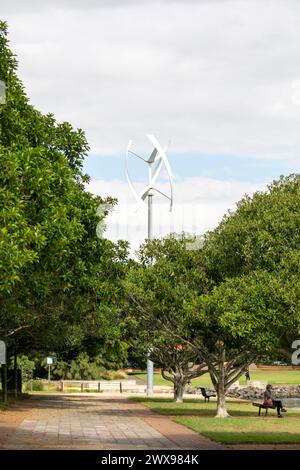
201, 412
237, 430
195, 407
252, 437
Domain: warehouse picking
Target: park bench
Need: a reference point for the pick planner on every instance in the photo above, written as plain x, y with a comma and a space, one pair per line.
261, 406
206, 395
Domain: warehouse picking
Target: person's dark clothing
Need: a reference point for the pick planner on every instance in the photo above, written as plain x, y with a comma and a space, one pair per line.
278, 404
269, 400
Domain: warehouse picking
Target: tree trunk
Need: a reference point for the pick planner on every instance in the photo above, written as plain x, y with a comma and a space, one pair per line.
179, 387
4, 382
15, 374
221, 404
220, 389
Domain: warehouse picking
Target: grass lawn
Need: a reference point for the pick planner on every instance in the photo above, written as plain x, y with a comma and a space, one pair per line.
272, 377
243, 427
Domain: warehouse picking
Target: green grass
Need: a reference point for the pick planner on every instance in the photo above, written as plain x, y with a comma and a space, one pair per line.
159, 380
197, 407
272, 377
275, 377
243, 426
270, 430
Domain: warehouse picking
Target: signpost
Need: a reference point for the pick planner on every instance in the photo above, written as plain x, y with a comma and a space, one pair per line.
49, 362
4, 368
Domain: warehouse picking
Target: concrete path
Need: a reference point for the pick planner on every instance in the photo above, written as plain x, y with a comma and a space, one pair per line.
84, 422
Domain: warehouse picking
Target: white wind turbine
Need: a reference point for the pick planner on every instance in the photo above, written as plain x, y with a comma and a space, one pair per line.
155, 162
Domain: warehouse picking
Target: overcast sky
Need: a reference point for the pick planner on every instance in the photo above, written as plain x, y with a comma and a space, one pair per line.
220, 79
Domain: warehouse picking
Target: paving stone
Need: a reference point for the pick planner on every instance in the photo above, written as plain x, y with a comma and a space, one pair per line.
81, 422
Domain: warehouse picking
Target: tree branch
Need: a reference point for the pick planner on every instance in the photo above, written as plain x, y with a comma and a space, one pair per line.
11, 333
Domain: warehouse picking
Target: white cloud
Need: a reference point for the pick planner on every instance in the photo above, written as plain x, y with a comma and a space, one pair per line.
214, 76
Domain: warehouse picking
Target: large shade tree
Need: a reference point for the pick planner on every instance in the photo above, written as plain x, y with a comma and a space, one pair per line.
238, 322
251, 258
248, 305
58, 282
160, 288
262, 234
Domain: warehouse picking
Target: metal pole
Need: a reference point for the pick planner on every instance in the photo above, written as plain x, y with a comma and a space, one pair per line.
150, 231
49, 374
149, 378
159, 157
150, 228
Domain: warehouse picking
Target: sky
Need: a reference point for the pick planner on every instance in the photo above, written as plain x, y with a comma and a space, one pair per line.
219, 80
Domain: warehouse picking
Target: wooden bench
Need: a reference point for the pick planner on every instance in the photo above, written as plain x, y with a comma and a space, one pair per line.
261, 406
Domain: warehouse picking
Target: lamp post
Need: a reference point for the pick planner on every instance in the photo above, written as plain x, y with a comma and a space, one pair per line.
159, 158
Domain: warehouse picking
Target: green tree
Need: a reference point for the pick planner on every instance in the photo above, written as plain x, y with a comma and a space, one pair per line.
262, 230
160, 288
239, 321
27, 367
59, 283
238, 294
252, 258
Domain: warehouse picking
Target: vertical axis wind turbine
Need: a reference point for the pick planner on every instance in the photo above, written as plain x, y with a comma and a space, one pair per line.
158, 158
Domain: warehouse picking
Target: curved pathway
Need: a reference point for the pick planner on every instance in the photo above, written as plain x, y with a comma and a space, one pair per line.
92, 422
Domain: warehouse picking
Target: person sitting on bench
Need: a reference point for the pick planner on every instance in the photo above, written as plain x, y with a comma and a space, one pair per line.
269, 400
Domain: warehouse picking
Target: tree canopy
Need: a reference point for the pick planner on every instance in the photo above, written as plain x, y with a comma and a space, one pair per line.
236, 297
59, 283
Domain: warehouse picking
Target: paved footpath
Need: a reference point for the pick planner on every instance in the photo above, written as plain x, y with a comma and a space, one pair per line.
90, 422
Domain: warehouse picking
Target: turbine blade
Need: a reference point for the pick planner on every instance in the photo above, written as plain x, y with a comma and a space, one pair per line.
152, 156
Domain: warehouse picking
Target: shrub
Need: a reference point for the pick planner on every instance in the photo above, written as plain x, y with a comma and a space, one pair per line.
26, 365
82, 367
36, 386
114, 375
